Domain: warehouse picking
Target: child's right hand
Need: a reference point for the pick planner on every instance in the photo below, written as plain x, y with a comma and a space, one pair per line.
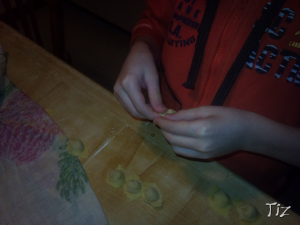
139, 72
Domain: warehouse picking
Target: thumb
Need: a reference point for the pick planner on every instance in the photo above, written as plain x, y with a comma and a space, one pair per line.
192, 114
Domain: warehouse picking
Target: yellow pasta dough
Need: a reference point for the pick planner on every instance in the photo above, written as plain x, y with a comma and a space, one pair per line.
117, 177
219, 201
152, 195
76, 147
133, 188
170, 111
248, 213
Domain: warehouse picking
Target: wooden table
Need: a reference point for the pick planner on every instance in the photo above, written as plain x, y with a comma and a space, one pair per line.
85, 110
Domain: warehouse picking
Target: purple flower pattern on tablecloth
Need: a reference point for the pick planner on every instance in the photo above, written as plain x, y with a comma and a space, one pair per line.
26, 130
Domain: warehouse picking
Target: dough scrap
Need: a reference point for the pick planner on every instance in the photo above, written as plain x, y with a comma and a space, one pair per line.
152, 195
248, 213
133, 188
76, 148
116, 178
170, 111
219, 201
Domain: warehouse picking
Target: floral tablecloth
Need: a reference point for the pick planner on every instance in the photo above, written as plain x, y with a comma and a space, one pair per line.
40, 182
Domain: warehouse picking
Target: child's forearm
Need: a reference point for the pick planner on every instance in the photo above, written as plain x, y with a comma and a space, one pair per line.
273, 139
152, 46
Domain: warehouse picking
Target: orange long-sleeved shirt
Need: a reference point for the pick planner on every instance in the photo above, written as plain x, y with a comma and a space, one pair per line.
268, 84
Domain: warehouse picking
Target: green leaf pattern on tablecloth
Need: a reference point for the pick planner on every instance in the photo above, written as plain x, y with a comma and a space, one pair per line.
72, 178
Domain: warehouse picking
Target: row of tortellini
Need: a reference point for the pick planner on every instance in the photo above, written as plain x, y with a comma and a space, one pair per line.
221, 203
134, 188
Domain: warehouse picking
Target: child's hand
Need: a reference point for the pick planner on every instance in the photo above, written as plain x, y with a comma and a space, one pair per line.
139, 72
205, 132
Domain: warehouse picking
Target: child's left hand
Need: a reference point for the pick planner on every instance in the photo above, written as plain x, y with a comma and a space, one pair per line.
205, 132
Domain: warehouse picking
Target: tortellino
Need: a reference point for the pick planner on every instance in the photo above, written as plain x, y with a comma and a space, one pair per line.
248, 213
117, 177
219, 201
133, 188
170, 111
76, 148
152, 195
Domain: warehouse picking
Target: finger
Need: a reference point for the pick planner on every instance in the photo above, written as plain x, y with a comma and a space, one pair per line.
127, 105
191, 153
154, 94
195, 128
184, 142
193, 113
134, 93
